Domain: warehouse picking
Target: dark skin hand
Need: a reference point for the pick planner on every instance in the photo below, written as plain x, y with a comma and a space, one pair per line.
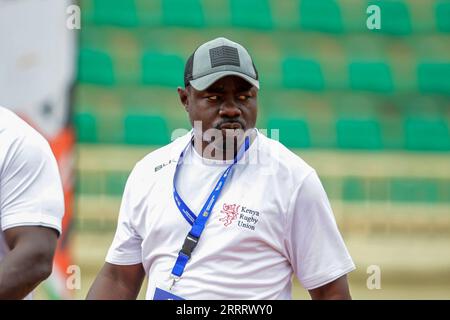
116, 282
336, 290
29, 262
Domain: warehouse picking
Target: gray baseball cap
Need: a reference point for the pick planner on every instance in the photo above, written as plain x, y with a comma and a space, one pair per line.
216, 59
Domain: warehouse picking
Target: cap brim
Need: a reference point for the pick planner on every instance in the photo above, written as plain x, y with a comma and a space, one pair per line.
204, 82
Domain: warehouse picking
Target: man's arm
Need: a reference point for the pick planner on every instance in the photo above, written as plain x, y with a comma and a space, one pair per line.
335, 290
29, 261
117, 282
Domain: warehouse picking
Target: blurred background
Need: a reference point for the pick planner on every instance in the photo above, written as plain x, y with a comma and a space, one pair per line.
369, 109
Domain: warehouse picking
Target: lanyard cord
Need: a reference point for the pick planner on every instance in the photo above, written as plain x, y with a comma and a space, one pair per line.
198, 222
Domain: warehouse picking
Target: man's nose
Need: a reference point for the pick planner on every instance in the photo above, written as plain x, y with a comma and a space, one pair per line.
230, 109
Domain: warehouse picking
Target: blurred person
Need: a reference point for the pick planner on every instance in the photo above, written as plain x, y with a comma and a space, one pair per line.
31, 207
37, 75
203, 220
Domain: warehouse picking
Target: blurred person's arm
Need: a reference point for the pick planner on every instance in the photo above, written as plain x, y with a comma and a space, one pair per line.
335, 290
31, 208
117, 282
28, 262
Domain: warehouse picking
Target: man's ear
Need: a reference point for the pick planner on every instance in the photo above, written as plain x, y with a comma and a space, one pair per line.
183, 94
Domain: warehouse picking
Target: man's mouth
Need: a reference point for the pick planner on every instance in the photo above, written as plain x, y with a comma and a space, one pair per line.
231, 125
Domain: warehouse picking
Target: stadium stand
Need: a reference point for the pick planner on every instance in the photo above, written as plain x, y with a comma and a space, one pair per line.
327, 82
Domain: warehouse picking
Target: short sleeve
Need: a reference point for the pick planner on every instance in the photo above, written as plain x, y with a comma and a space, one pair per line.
30, 185
126, 246
315, 246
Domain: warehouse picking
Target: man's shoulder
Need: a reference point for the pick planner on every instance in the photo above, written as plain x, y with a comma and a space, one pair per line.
162, 156
11, 121
16, 134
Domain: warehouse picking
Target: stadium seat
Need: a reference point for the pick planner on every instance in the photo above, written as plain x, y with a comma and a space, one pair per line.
86, 127
353, 189
370, 76
442, 12
254, 14
293, 133
146, 129
358, 134
395, 17
115, 12
302, 73
188, 13
162, 69
414, 190
95, 66
322, 15
427, 134
434, 77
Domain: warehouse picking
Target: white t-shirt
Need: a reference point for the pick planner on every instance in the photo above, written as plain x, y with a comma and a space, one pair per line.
272, 220
30, 186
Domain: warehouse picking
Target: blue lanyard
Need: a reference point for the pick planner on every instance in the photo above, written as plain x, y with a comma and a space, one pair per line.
198, 222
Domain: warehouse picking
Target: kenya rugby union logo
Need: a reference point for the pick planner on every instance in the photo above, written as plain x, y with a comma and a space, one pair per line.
230, 212
246, 218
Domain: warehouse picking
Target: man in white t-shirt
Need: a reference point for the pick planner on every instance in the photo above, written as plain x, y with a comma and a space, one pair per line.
31, 207
223, 212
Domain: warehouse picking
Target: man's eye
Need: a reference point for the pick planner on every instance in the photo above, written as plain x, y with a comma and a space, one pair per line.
243, 97
213, 98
